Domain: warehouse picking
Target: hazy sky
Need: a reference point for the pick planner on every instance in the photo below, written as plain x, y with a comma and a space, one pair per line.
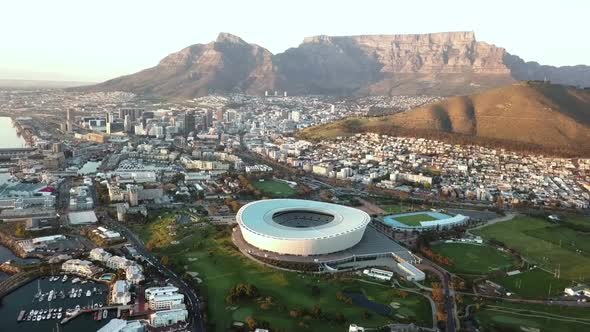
88, 40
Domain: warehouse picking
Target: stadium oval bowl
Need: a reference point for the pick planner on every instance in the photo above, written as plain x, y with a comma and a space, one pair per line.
301, 227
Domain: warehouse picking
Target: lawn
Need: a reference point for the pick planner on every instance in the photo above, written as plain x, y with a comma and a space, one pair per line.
209, 252
415, 219
538, 241
395, 208
533, 284
492, 318
473, 259
274, 188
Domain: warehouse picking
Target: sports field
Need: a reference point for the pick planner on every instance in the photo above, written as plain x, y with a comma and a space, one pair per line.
210, 253
414, 219
274, 188
498, 318
535, 283
546, 244
472, 258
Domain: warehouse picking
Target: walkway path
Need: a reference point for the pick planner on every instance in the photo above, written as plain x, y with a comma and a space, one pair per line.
508, 216
432, 303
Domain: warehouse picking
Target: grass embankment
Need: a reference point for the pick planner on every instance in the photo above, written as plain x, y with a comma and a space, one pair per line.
474, 259
274, 188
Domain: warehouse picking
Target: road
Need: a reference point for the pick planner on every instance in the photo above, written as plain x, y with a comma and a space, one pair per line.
196, 323
449, 292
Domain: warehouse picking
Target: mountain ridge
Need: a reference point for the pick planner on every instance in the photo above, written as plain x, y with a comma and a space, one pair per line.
443, 63
533, 116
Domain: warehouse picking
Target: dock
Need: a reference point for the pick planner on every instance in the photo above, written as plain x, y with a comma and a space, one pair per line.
119, 308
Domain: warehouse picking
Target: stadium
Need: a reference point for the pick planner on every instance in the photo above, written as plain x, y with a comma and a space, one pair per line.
301, 227
423, 221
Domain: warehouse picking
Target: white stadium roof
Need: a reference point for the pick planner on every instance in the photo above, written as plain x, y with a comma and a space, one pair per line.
258, 217
319, 228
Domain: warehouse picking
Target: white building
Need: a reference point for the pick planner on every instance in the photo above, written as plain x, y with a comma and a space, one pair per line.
163, 298
99, 254
165, 302
120, 292
412, 272
134, 274
79, 266
578, 290
379, 274
168, 317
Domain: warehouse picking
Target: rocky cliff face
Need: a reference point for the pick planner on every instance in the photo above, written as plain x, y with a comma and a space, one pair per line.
447, 63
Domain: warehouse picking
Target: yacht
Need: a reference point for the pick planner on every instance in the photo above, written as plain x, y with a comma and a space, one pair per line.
59, 315
88, 293
105, 314
75, 280
51, 295
65, 278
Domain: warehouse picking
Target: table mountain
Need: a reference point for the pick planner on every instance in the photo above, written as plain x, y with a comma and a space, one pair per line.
448, 63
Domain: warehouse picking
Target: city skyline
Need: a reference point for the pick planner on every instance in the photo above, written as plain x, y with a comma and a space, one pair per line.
61, 41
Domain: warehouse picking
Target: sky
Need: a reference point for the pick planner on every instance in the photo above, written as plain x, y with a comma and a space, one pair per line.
94, 40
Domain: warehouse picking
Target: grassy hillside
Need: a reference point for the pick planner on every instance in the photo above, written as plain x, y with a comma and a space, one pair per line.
522, 116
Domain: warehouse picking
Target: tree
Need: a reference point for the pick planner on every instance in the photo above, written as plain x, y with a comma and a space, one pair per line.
251, 322
165, 260
20, 230
316, 311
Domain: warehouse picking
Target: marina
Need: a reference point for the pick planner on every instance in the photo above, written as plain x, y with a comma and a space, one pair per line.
57, 300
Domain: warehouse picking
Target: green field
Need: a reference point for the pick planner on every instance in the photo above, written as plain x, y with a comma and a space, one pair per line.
548, 245
533, 284
395, 208
210, 253
274, 188
415, 219
473, 259
498, 318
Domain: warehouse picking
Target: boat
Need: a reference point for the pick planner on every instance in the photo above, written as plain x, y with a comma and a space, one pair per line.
60, 309
100, 305
105, 314
51, 295
75, 280
77, 307
65, 278
84, 281
41, 298
61, 294
88, 293
39, 292
21, 315
59, 315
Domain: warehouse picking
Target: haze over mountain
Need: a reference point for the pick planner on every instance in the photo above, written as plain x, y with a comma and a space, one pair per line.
525, 115
447, 63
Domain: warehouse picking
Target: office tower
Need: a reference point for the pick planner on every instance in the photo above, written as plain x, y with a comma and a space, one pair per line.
219, 115
69, 120
188, 122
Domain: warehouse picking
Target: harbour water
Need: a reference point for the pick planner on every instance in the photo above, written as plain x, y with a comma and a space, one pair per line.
9, 138
24, 299
7, 255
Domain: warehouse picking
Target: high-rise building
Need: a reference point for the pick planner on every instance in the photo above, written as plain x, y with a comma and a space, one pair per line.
208, 119
189, 122
69, 120
133, 113
127, 123
219, 115
110, 118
